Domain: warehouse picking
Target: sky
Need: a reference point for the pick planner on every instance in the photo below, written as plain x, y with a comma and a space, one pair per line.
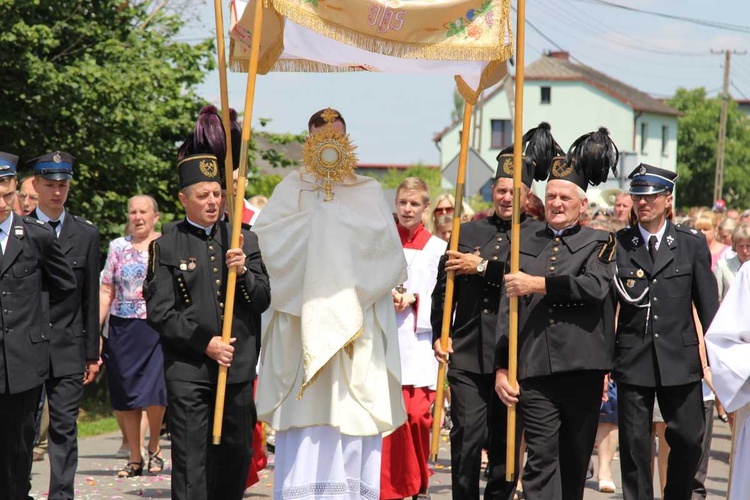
393, 118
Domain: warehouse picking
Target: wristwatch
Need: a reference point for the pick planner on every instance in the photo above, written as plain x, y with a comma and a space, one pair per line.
482, 267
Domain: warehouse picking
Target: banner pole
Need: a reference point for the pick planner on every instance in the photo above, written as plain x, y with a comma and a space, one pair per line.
226, 332
228, 163
515, 239
450, 280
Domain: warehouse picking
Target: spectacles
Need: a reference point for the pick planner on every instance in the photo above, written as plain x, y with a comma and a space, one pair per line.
444, 210
648, 198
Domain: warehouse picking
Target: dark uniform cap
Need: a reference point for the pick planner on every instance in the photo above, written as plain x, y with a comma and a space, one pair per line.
56, 166
589, 160
198, 168
505, 169
8, 163
538, 149
647, 179
566, 170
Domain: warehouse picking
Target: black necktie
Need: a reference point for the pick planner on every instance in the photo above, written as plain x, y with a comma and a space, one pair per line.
652, 248
54, 224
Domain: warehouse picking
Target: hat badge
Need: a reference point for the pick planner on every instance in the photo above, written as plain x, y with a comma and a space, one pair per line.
57, 158
560, 168
209, 168
642, 170
508, 166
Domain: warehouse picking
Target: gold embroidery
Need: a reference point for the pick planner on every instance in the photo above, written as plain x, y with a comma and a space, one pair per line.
209, 168
561, 169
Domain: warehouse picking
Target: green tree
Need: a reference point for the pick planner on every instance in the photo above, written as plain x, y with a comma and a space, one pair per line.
697, 139
107, 82
431, 176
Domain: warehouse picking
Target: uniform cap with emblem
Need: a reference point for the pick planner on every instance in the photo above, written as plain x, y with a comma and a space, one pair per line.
198, 168
589, 160
55, 166
647, 179
539, 149
8, 164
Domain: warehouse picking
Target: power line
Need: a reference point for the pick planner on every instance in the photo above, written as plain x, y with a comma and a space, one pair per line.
738, 90
693, 20
608, 64
625, 39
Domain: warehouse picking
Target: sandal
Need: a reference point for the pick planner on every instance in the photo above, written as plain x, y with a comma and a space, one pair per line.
155, 462
131, 469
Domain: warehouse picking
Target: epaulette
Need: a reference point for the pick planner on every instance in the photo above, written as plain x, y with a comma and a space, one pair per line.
607, 253
689, 230
85, 221
31, 220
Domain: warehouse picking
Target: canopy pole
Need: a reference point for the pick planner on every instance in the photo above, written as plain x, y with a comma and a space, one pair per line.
449, 284
228, 163
226, 332
515, 239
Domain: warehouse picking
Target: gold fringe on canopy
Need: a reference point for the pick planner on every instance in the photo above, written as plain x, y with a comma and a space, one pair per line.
435, 30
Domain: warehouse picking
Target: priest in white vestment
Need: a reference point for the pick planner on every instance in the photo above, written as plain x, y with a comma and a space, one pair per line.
728, 346
331, 381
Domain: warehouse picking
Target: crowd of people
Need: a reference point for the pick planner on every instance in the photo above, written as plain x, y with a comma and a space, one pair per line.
339, 310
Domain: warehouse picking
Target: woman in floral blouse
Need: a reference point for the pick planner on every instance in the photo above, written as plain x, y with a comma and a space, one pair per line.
134, 359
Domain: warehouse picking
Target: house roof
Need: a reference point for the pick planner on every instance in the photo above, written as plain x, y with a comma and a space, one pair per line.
557, 66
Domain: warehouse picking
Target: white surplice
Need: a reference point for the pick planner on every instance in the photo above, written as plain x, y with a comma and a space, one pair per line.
728, 347
418, 364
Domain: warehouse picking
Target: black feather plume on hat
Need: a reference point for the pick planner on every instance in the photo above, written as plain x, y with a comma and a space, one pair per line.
594, 155
539, 149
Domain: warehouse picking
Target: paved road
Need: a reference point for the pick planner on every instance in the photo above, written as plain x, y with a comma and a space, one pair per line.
97, 467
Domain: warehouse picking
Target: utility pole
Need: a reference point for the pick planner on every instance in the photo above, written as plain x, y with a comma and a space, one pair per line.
719, 175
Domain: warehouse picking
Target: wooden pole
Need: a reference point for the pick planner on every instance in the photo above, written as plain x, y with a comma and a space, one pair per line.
226, 332
515, 236
228, 163
466, 132
719, 174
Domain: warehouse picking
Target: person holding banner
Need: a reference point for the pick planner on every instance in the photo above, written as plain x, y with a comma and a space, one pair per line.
184, 290
477, 414
663, 272
331, 374
565, 326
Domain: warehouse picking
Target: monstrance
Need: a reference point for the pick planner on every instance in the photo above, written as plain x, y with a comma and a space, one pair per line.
328, 155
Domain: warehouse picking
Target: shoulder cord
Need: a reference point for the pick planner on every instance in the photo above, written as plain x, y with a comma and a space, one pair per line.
634, 301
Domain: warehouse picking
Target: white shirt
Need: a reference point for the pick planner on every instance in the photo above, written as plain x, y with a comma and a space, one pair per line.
46, 218
206, 229
5, 231
659, 234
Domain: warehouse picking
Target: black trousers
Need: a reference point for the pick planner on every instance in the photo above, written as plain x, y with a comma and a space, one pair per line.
559, 414
682, 409
17, 437
479, 420
699, 481
64, 395
201, 470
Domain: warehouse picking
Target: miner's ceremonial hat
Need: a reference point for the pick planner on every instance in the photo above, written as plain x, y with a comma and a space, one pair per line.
198, 168
589, 160
538, 149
